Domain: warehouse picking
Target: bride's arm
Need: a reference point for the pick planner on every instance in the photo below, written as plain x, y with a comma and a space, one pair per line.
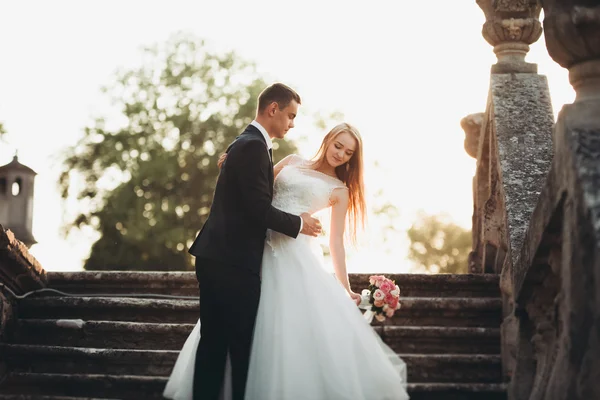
339, 209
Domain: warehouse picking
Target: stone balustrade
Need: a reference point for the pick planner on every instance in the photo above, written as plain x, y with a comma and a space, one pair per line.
536, 196
556, 275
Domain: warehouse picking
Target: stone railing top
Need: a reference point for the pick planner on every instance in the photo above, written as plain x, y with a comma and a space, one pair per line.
19, 270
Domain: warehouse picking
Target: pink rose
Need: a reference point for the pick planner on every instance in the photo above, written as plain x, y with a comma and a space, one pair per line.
394, 303
387, 286
389, 313
376, 280
378, 295
379, 317
378, 303
389, 298
373, 279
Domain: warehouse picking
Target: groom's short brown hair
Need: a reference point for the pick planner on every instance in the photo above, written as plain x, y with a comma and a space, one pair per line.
278, 93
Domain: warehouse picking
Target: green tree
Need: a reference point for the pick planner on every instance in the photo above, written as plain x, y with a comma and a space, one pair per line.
438, 245
148, 184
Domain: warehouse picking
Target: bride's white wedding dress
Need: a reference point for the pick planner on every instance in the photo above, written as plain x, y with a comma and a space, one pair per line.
310, 342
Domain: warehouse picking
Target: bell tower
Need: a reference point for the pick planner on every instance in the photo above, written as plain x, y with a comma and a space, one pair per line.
16, 200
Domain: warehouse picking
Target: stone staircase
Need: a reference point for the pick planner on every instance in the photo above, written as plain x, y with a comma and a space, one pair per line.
119, 347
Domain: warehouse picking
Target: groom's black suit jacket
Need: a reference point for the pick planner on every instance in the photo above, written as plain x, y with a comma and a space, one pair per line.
241, 211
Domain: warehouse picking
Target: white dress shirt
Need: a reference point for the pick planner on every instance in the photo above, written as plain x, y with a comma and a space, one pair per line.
264, 132
269, 142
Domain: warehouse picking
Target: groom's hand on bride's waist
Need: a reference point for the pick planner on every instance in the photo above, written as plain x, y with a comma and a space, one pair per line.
310, 225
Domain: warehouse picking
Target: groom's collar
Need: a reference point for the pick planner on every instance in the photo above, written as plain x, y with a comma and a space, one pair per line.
262, 130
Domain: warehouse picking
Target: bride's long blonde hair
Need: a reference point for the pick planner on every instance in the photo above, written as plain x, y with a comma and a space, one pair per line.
351, 173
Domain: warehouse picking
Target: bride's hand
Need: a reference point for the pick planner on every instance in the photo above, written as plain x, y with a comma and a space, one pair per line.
355, 297
221, 160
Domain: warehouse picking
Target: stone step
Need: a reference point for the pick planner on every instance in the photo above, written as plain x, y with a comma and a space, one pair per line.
480, 368
140, 335
440, 339
415, 311
148, 387
101, 334
185, 284
124, 387
457, 391
40, 397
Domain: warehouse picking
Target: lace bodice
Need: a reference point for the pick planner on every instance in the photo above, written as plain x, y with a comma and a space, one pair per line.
299, 189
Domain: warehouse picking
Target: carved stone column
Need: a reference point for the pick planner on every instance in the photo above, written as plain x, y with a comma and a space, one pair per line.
515, 151
572, 33
511, 26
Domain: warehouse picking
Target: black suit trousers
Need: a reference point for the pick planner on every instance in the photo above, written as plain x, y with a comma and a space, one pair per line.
229, 297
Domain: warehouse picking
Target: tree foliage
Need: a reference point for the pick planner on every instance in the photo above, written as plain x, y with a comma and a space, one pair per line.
438, 245
148, 183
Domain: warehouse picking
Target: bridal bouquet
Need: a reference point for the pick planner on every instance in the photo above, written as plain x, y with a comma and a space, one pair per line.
381, 299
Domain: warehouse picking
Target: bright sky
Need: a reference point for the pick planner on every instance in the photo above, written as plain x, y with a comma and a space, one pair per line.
404, 73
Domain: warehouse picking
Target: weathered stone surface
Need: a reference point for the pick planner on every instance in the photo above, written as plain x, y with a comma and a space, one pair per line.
143, 387
124, 387
572, 29
82, 346
415, 310
6, 315
465, 368
560, 299
523, 120
115, 309
437, 285
185, 283
557, 275
456, 391
38, 397
6, 322
102, 334
514, 152
441, 339
112, 282
515, 149
137, 335
19, 270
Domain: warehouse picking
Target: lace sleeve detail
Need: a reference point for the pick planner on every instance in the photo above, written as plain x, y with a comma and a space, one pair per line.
295, 159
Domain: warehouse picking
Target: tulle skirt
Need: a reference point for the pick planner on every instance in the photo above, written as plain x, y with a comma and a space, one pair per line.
310, 341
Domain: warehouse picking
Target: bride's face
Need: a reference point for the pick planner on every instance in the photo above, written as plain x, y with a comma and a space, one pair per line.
341, 149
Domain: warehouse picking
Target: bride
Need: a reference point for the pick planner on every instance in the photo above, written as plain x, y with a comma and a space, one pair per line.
310, 340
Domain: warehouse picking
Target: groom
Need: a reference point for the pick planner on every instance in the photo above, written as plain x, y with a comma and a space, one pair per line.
229, 247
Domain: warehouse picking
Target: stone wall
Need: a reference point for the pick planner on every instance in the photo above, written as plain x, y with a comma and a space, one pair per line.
20, 273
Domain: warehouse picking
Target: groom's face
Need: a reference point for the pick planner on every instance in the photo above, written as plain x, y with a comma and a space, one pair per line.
283, 120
